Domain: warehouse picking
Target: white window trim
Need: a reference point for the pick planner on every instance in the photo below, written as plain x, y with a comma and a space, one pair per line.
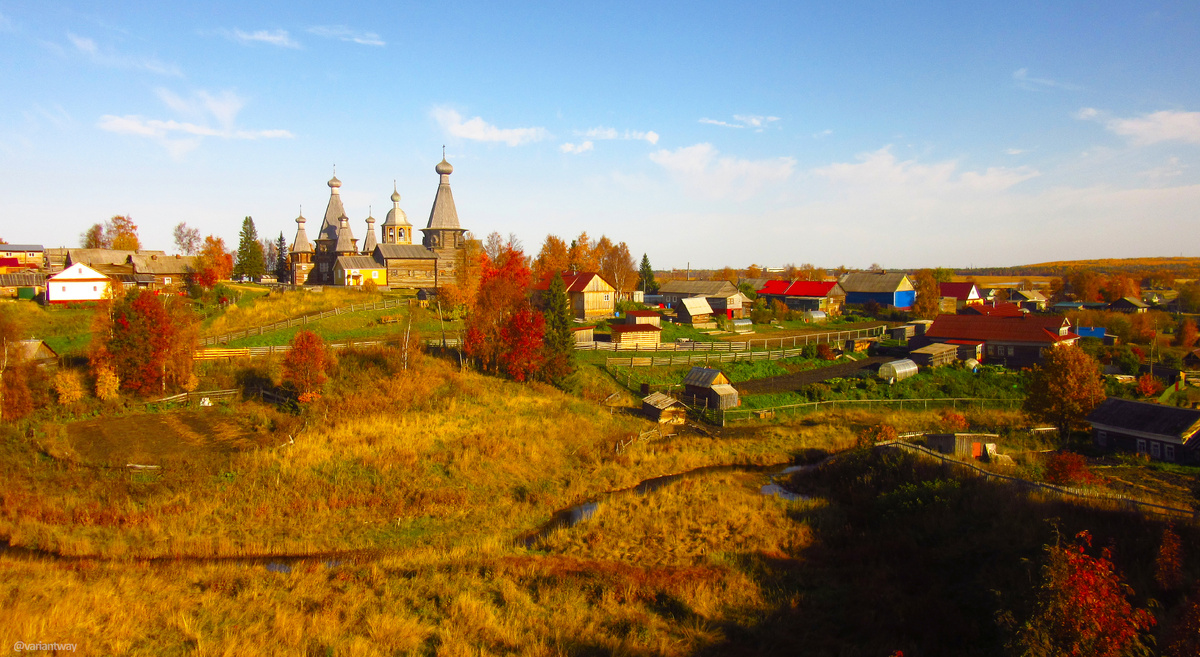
1141, 446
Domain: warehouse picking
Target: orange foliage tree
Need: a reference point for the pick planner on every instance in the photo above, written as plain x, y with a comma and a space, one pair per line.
214, 264
1064, 388
1149, 385
552, 258
147, 340
503, 292
929, 296
1168, 563
1083, 607
1187, 335
304, 365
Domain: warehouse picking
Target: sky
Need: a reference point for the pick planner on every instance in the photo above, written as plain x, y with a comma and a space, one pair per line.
913, 134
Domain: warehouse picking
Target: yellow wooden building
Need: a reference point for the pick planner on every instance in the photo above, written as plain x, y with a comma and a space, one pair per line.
589, 294
633, 336
354, 271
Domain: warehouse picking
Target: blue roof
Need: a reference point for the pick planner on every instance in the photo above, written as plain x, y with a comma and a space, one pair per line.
1090, 332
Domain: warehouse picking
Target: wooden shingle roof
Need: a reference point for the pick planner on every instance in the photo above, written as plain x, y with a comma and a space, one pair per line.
699, 288
660, 401
1173, 421
704, 377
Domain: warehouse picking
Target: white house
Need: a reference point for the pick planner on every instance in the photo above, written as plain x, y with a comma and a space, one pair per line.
77, 283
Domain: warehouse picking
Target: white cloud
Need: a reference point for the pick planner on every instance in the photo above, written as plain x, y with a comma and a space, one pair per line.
573, 148
181, 137
881, 170
1021, 77
1159, 127
1013, 151
611, 133
744, 121
279, 38
1087, 113
822, 134
344, 33
112, 59
477, 129
701, 169
1171, 169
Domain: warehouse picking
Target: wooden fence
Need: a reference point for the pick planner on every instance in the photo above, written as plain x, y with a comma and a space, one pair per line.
832, 337
198, 396
735, 414
664, 361
300, 321
1065, 492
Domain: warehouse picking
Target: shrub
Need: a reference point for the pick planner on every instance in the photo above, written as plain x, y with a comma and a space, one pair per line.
952, 421
1168, 564
68, 386
876, 434
1068, 468
370, 287
107, 383
825, 352
1149, 385
304, 364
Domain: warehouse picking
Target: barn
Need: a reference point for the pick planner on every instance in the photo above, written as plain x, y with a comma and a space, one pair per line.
934, 355
709, 388
664, 409
884, 288
694, 310
643, 317
633, 336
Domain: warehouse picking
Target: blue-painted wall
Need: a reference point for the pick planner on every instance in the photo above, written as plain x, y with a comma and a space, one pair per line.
901, 299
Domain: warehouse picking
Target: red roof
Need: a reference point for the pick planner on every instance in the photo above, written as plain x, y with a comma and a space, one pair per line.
957, 290
633, 328
996, 310
575, 282
644, 313
1029, 328
798, 288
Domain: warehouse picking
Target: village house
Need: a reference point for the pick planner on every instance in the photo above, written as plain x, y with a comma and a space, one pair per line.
588, 293
722, 296
77, 283
643, 317
94, 257
37, 352
22, 286
27, 256
887, 289
356, 271
1012, 341
1130, 305
1162, 432
1028, 299
167, 272
824, 296
693, 310
963, 294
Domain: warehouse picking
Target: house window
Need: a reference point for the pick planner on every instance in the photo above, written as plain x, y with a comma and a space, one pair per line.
93, 288
374, 274
1141, 446
64, 288
606, 297
1156, 449
166, 280
1102, 438
1169, 452
991, 350
1010, 351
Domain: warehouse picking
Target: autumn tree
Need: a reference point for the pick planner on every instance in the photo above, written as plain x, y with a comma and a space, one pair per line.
646, 276
121, 234
147, 340
1168, 563
616, 265
754, 271
1083, 607
581, 255
1187, 335
1064, 388
1120, 285
552, 258
187, 240
214, 263
522, 338
304, 365
1149, 385
1086, 284
503, 292
929, 298
559, 339
725, 274
93, 237
460, 295
249, 263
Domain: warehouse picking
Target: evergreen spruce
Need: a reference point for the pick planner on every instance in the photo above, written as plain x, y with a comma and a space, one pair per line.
559, 340
646, 276
281, 260
249, 254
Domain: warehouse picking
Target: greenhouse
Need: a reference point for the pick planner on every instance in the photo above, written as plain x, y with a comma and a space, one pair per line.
897, 370
815, 316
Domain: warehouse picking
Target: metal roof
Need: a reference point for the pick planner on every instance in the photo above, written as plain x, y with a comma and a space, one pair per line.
21, 247
696, 306
959, 290
358, 262
22, 280
1027, 328
660, 401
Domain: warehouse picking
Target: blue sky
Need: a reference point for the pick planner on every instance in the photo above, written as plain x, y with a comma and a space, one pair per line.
905, 134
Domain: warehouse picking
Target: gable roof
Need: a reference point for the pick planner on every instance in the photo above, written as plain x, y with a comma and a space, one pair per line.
1028, 328
31, 350
994, 309
875, 282
1132, 302
404, 252
78, 272
696, 306
704, 377
105, 256
1173, 421
20, 247
959, 290
634, 328
574, 281
167, 265
699, 288
357, 262
1028, 295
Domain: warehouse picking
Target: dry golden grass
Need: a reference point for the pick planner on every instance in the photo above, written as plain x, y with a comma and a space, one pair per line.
281, 305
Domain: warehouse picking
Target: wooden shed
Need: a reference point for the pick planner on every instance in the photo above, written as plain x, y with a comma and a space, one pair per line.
694, 310
934, 354
855, 345
709, 388
632, 336
970, 445
37, 352
643, 317
664, 409
968, 348
583, 334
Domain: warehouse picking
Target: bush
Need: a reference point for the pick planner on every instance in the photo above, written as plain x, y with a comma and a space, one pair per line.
876, 434
1068, 468
825, 352
68, 387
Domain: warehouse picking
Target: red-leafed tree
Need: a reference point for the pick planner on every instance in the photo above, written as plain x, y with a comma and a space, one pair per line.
147, 340
214, 263
1168, 563
1149, 385
304, 365
503, 292
1187, 335
522, 337
1083, 607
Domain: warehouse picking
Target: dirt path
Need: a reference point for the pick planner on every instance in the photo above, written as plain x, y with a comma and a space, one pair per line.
790, 382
